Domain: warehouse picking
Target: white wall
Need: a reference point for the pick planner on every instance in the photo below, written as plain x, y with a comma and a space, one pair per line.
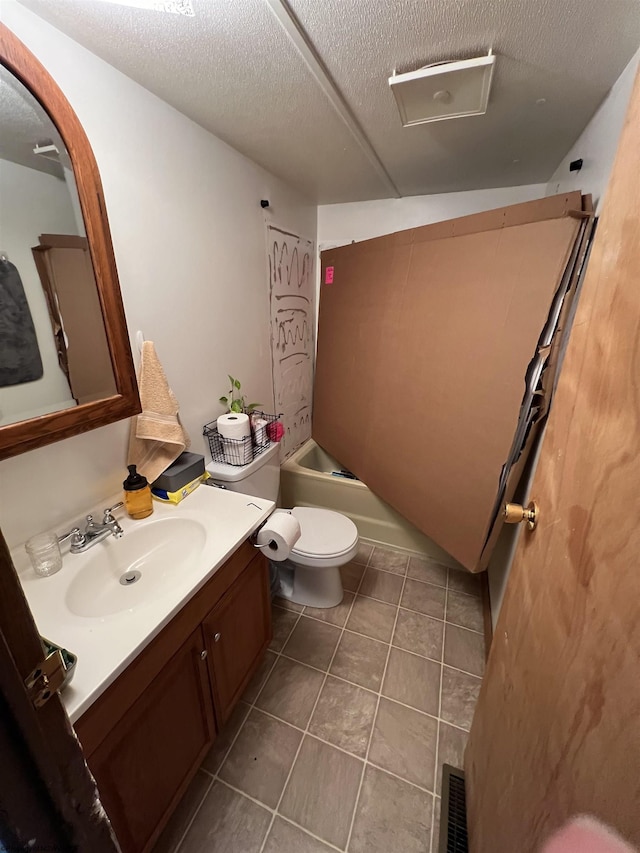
189, 239
34, 203
598, 143
339, 224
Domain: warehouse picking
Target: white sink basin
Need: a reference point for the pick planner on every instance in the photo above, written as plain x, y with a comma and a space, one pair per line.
122, 574
85, 608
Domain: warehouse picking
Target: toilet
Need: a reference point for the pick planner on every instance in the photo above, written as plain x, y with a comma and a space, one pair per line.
328, 540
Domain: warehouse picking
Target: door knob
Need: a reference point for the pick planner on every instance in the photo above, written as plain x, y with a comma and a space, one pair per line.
515, 513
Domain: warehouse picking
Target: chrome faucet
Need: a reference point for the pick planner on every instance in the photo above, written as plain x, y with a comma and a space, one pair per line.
93, 532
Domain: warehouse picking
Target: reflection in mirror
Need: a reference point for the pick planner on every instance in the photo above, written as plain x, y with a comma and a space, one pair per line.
54, 353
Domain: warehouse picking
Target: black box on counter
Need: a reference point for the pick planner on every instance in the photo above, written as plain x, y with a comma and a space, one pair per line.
186, 468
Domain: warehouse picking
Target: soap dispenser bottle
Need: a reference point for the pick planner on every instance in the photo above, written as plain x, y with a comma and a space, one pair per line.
137, 494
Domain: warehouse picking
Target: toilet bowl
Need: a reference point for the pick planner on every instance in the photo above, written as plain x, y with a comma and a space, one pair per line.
311, 575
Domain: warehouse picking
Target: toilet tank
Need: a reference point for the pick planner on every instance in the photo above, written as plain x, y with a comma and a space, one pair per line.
260, 478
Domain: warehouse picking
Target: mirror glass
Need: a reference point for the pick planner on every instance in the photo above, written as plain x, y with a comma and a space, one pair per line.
54, 353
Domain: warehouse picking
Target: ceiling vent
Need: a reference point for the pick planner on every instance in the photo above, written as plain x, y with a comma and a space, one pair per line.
444, 90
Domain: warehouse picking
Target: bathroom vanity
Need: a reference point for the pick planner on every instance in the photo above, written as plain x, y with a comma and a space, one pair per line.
161, 666
145, 737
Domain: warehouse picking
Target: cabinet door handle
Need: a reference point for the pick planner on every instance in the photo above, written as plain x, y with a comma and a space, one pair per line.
203, 654
217, 637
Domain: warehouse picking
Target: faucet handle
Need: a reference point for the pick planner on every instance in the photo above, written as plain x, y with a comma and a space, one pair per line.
76, 536
108, 517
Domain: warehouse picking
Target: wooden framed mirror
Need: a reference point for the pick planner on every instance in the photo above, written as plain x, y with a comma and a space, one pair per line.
65, 361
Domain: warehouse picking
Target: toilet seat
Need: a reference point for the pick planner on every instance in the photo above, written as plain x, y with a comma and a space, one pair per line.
325, 534
328, 540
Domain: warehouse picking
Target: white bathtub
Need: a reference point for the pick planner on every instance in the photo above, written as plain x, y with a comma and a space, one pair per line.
306, 480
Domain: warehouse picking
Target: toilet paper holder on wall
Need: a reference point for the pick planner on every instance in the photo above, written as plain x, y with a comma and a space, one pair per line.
254, 536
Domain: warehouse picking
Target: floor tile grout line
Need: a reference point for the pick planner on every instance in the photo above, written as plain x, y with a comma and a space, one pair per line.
368, 690
178, 844
250, 797
251, 705
375, 692
306, 731
353, 684
309, 833
382, 642
318, 737
463, 572
423, 558
275, 814
375, 716
437, 749
391, 604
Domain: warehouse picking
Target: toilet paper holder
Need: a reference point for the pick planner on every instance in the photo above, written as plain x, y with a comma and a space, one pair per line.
254, 535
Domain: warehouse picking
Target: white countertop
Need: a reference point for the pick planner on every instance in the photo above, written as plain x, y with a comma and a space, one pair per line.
105, 645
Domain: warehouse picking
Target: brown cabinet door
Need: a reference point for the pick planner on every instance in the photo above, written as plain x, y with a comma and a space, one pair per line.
146, 761
238, 631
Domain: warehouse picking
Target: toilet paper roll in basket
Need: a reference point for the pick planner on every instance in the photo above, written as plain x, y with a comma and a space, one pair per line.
234, 430
278, 535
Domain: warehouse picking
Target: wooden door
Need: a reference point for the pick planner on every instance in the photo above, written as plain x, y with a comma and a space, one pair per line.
557, 726
49, 800
66, 272
153, 750
238, 631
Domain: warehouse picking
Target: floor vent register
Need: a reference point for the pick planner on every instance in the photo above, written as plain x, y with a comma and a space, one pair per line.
453, 819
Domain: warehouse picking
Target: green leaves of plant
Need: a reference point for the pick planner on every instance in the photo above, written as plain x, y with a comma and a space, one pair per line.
234, 404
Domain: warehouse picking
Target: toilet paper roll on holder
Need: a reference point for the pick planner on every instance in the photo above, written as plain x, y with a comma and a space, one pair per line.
270, 544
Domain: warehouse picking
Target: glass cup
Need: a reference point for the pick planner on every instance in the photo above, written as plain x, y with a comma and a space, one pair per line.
44, 553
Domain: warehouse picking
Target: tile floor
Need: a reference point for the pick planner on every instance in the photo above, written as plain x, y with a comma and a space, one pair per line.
339, 739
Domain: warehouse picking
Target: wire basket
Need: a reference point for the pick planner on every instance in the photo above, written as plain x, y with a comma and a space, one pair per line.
242, 451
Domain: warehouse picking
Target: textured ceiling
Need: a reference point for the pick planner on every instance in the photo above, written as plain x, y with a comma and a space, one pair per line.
234, 69
24, 124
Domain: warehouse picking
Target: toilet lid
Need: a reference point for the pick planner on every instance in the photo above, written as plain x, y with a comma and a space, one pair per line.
324, 533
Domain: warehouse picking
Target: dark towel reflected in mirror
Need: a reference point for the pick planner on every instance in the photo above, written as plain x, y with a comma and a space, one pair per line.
19, 352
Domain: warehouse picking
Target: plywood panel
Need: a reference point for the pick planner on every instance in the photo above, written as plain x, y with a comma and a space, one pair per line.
556, 727
423, 344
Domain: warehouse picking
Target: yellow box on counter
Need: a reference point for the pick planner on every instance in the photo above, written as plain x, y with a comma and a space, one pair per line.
181, 494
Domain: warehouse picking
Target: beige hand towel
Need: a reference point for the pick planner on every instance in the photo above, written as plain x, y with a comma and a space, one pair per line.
157, 437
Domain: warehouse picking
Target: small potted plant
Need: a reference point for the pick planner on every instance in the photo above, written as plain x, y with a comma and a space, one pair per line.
263, 429
236, 402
